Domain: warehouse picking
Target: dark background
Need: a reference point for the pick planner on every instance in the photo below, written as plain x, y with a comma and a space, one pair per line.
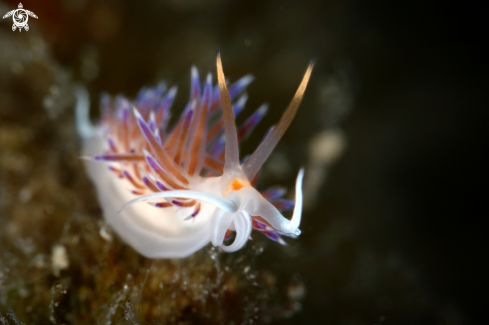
407, 194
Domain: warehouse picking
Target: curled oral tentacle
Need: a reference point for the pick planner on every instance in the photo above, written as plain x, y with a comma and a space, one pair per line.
242, 225
221, 223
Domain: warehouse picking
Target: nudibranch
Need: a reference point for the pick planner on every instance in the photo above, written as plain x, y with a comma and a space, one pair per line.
196, 189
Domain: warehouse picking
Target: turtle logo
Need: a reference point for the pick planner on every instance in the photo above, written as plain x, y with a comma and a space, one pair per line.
20, 17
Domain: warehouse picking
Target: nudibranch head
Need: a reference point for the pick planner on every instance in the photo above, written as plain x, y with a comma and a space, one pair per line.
194, 186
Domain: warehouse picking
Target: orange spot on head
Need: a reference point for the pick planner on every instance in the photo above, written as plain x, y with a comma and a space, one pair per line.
237, 185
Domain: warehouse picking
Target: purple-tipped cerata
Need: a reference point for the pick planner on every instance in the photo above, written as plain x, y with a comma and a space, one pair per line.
189, 175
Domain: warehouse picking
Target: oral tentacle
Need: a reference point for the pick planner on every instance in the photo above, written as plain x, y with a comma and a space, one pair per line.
242, 225
221, 223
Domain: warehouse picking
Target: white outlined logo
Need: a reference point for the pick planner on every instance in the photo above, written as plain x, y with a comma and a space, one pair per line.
20, 17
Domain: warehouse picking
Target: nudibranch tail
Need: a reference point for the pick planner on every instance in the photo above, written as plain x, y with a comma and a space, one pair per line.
84, 127
189, 175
